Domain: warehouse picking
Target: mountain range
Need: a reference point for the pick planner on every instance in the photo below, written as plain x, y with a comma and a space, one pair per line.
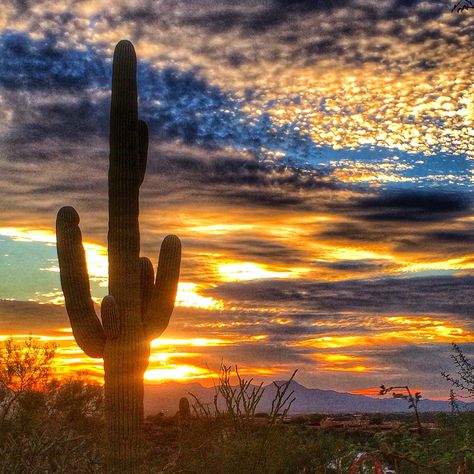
164, 398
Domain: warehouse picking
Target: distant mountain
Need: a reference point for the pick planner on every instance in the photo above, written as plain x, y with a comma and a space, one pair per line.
165, 397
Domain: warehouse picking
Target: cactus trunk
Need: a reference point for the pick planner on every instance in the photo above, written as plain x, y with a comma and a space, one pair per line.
137, 308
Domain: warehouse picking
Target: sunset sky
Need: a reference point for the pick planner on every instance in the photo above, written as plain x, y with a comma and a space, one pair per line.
314, 156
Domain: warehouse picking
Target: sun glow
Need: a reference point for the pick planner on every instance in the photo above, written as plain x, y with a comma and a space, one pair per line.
342, 363
220, 229
174, 372
242, 271
332, 253
414, 330
188, 296
194, 342
462, 263
24, 234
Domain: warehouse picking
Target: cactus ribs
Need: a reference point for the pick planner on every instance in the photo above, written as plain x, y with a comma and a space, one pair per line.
138, 307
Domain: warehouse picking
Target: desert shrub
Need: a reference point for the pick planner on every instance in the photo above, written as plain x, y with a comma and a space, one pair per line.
438, 451
213, 446
231, 436
47, 425
463, 379
78, 404
48, 451
25, 371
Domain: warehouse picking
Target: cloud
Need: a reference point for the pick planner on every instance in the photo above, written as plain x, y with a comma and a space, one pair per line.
52, 92
422, 295
25, 317
429, 225
357, 31
38, 65
354, 266
414, 206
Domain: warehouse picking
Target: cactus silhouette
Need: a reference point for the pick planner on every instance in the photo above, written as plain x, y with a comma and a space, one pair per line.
138, 307
184, 413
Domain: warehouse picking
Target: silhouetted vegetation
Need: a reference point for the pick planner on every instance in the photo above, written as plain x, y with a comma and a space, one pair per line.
139, 304
404, 392
463, 380
46, 425
57, 426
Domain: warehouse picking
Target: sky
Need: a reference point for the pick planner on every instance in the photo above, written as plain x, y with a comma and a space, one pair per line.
314, 156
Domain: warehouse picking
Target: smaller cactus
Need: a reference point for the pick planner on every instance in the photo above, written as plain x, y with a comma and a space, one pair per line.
184, 413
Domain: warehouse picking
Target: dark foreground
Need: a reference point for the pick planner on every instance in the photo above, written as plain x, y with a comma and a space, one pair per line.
60, 430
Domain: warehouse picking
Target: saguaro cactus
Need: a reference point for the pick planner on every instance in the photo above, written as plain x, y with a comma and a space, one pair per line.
137, 308
184, 413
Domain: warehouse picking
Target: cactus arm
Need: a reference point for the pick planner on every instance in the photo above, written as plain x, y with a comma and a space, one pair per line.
158, 314
110, 317
85, 324
142, 149
147, 278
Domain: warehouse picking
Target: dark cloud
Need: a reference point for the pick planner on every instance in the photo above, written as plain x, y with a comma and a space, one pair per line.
414, 206
428, 358
452, 236
59, 88
248, 246
358, 265
421, 222
272, 14
236, 180
305, 30
261, 354
353, 231
445, 242
39, 65
27, 317
422, 295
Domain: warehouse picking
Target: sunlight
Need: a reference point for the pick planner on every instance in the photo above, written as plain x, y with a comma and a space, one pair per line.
188, 296
166, 356
194, 342
342, 363
220, 229
332, 253
419, 331
462, 263
41, 338
242, 271
177, 372
24, 234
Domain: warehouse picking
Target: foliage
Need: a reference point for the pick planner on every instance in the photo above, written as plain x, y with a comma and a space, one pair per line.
438, 451
25, 371
59, 428
47, 450
412, 399
464, 378
236, 436
240, 401
78, 404
212, 445
47, 425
